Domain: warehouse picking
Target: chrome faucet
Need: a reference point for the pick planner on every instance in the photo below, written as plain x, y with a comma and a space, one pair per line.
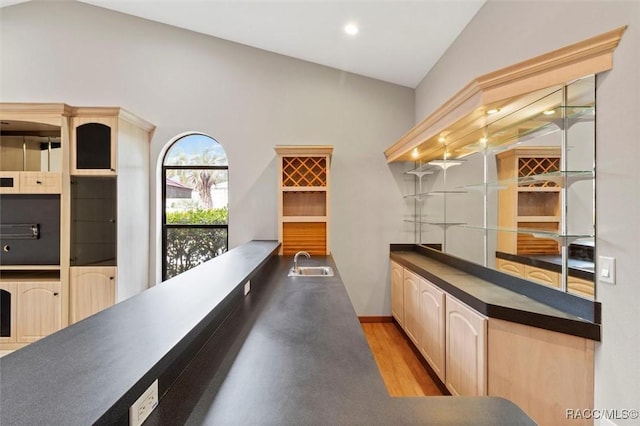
295, 260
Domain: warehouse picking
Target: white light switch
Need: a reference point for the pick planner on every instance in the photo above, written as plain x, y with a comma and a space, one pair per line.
607, 269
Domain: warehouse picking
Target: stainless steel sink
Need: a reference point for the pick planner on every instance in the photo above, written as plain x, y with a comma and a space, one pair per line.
312, 271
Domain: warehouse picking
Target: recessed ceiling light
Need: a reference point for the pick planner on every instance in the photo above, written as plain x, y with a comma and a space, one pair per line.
351, 28
414, 153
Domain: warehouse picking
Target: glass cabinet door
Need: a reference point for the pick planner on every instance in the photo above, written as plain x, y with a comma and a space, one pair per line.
93, 221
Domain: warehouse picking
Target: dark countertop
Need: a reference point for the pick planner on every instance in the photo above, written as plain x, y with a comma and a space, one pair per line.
92, 371
493, 300
294, 353
291, 352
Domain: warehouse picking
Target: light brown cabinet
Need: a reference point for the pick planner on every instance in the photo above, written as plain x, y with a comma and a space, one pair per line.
31, 309
304, 182
450, 335
432, 334
38, 310
397, 292
412, 324
466, 349
92, 289
544, 372
60, 149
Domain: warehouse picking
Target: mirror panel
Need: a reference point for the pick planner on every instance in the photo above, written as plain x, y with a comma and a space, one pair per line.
516, 194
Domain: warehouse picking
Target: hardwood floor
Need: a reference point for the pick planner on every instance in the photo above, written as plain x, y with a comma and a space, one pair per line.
401, 370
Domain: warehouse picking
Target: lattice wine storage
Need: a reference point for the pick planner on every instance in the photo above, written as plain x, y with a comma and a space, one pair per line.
304, 171
532, 166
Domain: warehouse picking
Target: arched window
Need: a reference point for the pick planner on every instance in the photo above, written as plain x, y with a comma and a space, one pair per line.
195, 214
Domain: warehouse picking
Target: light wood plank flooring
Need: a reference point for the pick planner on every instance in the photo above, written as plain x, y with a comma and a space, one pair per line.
402, 372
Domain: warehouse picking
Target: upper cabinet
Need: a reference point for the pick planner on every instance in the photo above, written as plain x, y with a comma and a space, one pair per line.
74, 198
93, 145
503, 174
304, 178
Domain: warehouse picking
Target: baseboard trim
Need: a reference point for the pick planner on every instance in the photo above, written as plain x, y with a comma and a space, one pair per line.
375, 319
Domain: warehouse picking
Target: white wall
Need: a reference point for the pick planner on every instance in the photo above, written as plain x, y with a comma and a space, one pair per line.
247, 99
507, 32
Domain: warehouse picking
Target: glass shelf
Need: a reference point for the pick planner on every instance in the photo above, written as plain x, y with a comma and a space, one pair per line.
538, 233
527, 123
426, 222
423, 195
560, 178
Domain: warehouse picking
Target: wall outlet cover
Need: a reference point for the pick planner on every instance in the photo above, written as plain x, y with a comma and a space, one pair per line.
142, 408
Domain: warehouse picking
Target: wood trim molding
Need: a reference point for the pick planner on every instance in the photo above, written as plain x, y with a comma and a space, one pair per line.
586, 57
302, 150
375, 319
22, 110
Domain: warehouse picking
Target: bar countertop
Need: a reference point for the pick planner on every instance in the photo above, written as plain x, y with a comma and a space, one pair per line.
290, 352
487, 295
294, 353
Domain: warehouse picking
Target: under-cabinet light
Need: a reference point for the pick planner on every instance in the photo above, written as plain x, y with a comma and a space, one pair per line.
549, 112
414, 153
492, 111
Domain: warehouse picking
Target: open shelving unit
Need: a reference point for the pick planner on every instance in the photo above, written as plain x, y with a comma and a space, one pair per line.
304, 178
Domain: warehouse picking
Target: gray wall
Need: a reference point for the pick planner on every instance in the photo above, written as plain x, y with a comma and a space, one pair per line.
247, 99
503, 33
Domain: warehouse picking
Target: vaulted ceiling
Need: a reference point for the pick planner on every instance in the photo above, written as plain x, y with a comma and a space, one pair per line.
397, 41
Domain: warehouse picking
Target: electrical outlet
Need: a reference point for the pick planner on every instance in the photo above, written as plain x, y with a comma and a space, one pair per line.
141, 409
247, 287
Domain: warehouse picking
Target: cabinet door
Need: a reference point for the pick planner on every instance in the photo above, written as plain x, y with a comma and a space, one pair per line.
466, 369
39, 310
397, 292
431, 334
92, 290
411, 305
8, 299
93, 146
93, 221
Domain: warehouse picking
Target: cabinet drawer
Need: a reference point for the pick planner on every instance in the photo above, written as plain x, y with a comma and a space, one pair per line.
40, 183
9, 182
510, 267
542, 276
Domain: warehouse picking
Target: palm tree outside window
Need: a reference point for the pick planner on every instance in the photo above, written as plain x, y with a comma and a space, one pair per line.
195, 214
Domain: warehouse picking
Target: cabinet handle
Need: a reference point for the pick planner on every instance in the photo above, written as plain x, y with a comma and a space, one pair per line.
38, 182
6, 248
55, 294
113, 170
112, 278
